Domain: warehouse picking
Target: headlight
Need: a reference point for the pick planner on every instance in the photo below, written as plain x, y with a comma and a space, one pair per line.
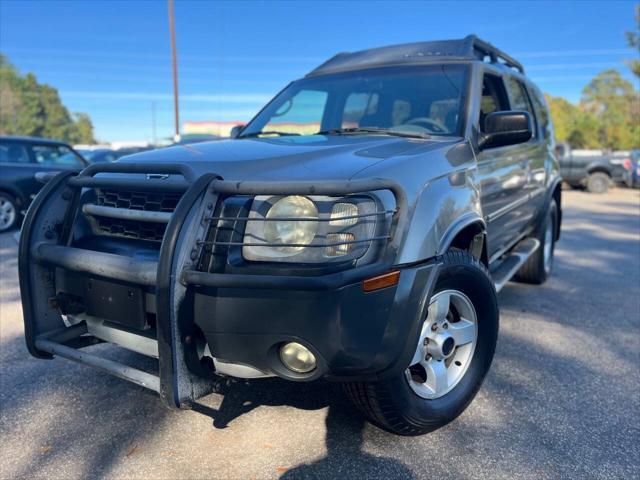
314, 229
292, 233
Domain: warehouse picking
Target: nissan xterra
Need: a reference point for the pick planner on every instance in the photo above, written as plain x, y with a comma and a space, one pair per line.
357, 230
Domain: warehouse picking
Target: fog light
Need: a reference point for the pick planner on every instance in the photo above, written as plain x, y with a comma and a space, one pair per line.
297, 358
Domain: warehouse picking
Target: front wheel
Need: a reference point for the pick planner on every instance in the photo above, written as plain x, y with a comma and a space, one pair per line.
8, 212
452, 356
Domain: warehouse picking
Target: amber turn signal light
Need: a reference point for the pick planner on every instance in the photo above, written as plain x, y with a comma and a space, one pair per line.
381, 281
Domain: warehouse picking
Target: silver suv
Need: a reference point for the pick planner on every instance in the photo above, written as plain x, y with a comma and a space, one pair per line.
357, 229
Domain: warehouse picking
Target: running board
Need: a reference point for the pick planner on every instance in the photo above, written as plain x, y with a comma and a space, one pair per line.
144, 379
510, 265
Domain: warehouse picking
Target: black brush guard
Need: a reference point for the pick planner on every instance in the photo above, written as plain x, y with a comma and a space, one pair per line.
46, 245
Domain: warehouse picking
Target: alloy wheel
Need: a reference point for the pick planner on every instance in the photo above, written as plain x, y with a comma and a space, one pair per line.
447, 342
8, 213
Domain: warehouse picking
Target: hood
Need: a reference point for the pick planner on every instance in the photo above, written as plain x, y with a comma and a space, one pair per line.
314, 157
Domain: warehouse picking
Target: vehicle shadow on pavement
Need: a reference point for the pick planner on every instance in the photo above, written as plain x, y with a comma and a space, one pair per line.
84, 426
345, 426
345, 457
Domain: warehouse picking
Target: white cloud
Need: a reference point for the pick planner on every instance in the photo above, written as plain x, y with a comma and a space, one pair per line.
230, 98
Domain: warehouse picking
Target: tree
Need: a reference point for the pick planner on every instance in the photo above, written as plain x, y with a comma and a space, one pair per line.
84, 128
608, 115
572, 124
617, 105
30, 108
633, 39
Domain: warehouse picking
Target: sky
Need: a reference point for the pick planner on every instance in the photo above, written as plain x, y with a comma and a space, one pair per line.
112, 59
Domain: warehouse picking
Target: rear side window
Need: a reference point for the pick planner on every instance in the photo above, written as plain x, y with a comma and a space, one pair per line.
55, 155
13, 153
520, 99
546, 129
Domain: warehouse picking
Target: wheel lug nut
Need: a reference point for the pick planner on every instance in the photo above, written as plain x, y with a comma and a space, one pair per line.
445, 326
434, 327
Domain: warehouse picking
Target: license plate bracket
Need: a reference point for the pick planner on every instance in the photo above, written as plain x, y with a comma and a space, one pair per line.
118, 303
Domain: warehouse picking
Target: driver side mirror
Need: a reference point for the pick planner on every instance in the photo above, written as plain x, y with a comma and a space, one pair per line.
506, 128
235, 131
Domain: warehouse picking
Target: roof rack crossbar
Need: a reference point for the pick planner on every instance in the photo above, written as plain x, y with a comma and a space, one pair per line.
495, 54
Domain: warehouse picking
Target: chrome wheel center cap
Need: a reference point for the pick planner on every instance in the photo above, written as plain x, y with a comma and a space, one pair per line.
441, 346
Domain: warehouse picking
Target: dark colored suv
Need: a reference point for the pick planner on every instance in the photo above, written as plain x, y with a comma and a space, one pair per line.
20, 159
357, 229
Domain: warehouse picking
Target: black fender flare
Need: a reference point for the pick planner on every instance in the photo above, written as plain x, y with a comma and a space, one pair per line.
456, 227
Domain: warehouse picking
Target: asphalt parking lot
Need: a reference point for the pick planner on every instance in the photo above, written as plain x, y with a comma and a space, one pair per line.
562, 399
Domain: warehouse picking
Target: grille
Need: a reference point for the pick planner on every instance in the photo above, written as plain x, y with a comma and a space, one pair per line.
151, 231
214, 257
148, 201
142, 201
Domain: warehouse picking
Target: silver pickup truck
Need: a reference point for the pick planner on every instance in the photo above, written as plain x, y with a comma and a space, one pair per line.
357, 230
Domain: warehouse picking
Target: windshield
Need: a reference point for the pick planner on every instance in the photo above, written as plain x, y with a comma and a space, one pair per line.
409, 100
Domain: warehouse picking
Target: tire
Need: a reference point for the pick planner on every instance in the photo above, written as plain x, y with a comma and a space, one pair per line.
538, 267
395, 404
598, 182
9, 213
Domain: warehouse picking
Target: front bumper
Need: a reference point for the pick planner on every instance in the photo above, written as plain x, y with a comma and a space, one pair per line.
354, 334
241, 318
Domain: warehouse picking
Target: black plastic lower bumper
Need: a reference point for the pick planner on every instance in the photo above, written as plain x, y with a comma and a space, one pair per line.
354, 334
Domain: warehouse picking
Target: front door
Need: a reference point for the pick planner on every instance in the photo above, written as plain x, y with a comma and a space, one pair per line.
503, 173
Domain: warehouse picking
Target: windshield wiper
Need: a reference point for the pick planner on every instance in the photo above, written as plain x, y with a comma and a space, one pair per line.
270, 132
382, 131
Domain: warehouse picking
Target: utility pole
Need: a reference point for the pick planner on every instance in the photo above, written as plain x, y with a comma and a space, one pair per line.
153, 122
172, 32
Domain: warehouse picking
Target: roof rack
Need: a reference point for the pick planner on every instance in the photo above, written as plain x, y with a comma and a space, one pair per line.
468, 48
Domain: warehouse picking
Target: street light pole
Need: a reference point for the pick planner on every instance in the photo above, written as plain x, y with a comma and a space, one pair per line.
172, 32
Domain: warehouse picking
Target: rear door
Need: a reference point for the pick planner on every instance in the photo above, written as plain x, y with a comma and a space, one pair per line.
17, 170
533, 153
502, 172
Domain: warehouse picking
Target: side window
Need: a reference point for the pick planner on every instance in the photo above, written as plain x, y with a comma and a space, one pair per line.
494, 98
358, 108
57, 155
520, 99
302, 114
542, 113
13, 153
